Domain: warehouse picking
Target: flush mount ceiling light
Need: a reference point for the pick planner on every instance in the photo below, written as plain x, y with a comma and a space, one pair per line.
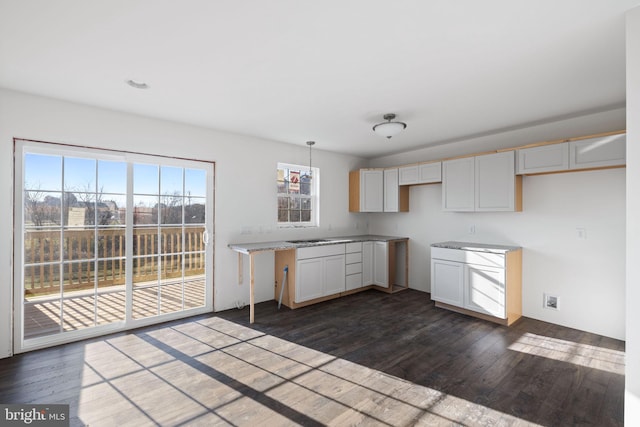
389, 128
137, 85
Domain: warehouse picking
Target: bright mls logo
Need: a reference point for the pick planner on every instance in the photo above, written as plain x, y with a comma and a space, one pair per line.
34, 415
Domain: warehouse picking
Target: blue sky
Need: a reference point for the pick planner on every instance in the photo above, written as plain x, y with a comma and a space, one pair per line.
44, 173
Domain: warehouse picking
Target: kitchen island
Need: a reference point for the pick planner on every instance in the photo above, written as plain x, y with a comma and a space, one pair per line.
325, 268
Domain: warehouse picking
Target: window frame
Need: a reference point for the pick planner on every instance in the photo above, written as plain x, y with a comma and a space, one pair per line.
314, 197
24, 146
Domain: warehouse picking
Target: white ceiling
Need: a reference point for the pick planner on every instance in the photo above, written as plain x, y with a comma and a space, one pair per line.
298, 70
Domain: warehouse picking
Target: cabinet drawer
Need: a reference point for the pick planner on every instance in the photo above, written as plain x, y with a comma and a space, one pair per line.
320, 251
354, 257
448, 254
353, 268
354, 247
354, 281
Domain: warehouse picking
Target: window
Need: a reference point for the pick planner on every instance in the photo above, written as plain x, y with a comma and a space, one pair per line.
108, 240
297, 195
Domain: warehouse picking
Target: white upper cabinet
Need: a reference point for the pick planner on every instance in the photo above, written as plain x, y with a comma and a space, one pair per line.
371, 190
430, 172
495, 182
425, 173
458, 184
391, 191
546, 158
598, 152
377, 190
484, 183
408, 175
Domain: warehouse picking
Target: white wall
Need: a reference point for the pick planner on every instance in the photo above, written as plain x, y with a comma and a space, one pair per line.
586, 274
245, 191
632, 374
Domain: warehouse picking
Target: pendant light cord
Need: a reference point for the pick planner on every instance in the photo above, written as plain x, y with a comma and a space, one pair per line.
310, 144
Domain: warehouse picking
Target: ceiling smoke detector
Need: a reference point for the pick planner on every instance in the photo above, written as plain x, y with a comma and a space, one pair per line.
137, 85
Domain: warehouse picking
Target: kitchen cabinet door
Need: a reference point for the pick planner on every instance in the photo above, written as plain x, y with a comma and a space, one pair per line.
334, 274
495, 182
598, 152
408, 175
391, 191
447, 282
430, 172
371, 190
424, 173
367, 263
485, 290
309, 280
546, 158
380, 264
458, 184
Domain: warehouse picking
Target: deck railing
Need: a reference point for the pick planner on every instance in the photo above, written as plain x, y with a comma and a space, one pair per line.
83, 262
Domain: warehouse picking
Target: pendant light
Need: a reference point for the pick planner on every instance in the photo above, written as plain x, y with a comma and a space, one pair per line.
390, 127
310, 144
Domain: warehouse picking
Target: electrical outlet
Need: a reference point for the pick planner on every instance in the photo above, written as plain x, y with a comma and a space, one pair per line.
582, 232
551, 302
472, 229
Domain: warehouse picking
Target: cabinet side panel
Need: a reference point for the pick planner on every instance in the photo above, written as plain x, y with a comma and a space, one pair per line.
404, 199
392, 280
514, 285
354, 191
518, 195
282, 259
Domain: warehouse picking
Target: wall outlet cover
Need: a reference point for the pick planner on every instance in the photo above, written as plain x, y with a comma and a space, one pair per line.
551, 302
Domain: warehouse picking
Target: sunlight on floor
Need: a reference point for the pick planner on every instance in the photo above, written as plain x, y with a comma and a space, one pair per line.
214, 371
567, 351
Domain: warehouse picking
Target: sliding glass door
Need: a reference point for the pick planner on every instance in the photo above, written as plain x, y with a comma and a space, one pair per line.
107, 241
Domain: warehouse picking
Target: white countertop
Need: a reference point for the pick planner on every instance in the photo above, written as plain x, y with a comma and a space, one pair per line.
281, 245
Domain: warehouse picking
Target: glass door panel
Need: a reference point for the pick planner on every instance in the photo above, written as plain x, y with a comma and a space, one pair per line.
108, 243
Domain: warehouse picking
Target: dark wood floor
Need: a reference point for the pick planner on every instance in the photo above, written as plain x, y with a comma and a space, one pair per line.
366, 359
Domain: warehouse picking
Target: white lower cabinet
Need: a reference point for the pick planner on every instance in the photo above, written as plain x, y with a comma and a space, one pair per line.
334, 275
320, 271
488, 284
380, 265
485, 290
447, 282
326, 270
353, 266
309, 283
367, 263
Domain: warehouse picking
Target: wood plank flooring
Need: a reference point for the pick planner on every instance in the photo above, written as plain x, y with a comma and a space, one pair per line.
366, 359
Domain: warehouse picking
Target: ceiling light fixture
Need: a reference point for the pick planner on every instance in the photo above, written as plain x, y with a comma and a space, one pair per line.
310, 144
137, 85
389, 128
